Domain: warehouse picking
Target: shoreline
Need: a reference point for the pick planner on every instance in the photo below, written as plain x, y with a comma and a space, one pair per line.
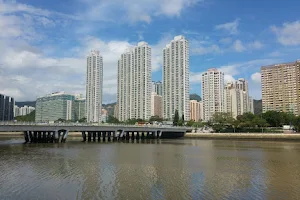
246, 136
224, 136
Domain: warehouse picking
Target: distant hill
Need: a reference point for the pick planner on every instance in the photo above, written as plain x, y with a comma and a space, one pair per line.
257, 104
110, 108
195, 97
25, 103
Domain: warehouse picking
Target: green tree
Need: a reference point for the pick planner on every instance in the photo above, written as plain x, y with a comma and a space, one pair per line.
190, 123
82, 120
155, 118
176, 118
296, 123
221, 121
112, 120
26, 118
274, 118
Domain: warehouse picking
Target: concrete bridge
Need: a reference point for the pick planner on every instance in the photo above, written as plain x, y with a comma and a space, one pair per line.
49, 133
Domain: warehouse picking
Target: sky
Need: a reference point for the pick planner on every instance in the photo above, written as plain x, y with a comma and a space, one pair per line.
44, 44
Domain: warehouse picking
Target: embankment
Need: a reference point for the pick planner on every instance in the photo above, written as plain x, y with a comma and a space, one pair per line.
250, 136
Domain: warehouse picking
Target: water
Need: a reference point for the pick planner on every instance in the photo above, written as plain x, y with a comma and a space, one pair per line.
165, 169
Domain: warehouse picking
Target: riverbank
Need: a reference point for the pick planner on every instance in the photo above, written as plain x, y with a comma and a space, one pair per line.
253, 136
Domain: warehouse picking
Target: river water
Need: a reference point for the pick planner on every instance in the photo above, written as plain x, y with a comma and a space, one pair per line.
163, 169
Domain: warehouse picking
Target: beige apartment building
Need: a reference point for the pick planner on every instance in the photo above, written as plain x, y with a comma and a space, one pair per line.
237, 99
196, 110
281, 87
156, 105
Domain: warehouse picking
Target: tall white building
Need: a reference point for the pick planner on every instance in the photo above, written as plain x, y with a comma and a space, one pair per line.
212, 93
134, 83
157, 87
94, 83
176, 86
237, 99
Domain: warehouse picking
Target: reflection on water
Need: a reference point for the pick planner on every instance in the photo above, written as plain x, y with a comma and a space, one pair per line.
163, 169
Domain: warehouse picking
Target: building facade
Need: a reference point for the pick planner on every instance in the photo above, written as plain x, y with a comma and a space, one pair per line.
196, 109
212, 93
157, 87
53, 107
237, 99
25, 110
94, 85
176, 84
78, 109
134, 83
281, 87
156, 105
7, 105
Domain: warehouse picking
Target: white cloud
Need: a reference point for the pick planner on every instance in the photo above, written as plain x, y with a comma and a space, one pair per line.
227, 40
256, 77
276, 54
196, 77
230, 27
135, 10
238, 46
228, 78
201, 50
255, 45
229, 70
288, 34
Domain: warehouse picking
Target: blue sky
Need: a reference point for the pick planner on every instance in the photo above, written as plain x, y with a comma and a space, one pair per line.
43, 44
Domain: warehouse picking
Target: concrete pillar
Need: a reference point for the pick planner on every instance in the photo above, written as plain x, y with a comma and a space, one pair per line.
109, 135
104, 135
132, 135
39, 136
64, 136
143, 136
94, 136
137, 137
30, 136
127, 137
115, 135
83, 136
99, 135
44, 137
26, 136
89, 136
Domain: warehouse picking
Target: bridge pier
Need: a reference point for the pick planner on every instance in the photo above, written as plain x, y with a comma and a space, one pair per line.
115, 135
64, 136
89, 136
94, 136
103, 136
127, 135
98, 133
26, 137
108, 136
132, 136
143, 136
39, 137
83, 134
137, 137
